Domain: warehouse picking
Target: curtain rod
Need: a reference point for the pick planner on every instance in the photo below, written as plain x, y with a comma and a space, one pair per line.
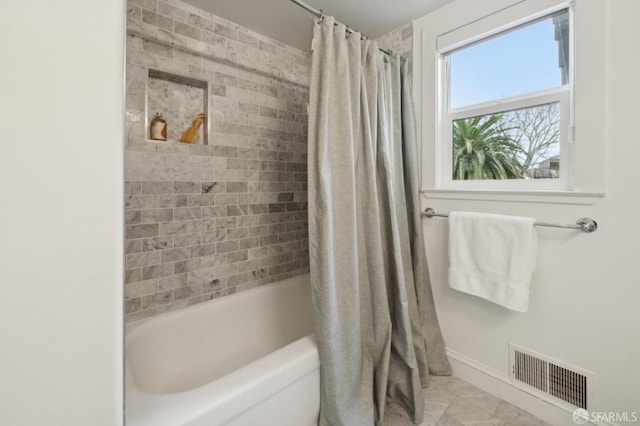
320, 14
586, 224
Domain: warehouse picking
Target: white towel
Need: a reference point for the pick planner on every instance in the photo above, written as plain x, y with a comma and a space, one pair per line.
492, 256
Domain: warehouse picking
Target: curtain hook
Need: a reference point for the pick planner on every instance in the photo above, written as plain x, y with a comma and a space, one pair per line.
321, 15
348, 30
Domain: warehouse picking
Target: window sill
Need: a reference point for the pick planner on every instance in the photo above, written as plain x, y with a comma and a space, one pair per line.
550, 197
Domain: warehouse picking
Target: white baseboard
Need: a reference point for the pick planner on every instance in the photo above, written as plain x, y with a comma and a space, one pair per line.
498, 384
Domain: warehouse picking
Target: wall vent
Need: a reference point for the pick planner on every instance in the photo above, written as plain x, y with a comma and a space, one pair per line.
555, 381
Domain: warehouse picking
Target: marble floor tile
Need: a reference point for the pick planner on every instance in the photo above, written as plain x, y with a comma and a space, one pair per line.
450, 401
511, 414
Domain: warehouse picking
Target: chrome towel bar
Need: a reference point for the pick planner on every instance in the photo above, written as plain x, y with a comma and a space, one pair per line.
586, 224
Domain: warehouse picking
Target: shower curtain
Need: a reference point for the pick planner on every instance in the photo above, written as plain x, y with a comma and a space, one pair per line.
377, 331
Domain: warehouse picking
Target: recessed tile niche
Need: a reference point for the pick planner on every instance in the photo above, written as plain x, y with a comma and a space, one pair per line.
179, 99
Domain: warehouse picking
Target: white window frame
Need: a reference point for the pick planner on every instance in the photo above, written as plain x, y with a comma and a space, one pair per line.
464, 22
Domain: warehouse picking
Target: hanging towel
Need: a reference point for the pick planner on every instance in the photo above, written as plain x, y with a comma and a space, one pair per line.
492, 256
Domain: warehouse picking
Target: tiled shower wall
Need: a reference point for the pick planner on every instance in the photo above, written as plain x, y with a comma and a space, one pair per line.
205, 221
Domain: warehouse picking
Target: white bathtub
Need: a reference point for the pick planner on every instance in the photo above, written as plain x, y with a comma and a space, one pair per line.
244, 360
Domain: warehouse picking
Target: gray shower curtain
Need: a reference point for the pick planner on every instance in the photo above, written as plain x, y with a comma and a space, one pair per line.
376, 326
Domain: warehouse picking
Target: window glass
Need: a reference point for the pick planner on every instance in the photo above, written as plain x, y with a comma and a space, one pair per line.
517, 144
526, 59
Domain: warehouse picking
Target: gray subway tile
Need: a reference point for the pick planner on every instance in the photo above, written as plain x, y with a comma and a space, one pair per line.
189, 265
140, 288
195, 225
249, 108
187, 30
277, 207
269, 240
226, 222
216, 40
187, 291
237, 256
247, 221
226, 199
132, 188
236, 186
188, 213
132, 275
171, 228
139, 260
133, 202
226, 79
237, 210
172, 11
132, 305
200, 22
165, 201
248, 40
226, 270
226, 151
157, 215
212, 284
225, 31
285, 196
238, 279
160, 298
237, 233
227, 246
186, 240
214, 236
173, 281
187, 187
132, 217
157, 271
213, 211
141, 231
213, 187
133, 246
259, 208
157, 243
174, 255
218, 90
213, 260
199, 200
156, 187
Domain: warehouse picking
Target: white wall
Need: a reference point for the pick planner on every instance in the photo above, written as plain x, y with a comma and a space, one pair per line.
61, 127
586, 289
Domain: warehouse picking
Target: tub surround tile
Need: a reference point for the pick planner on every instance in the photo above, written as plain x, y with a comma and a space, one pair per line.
132, 305
190, 265
132, 217
133, 246
181, 304
205, 221
142, 259
156, 243
157, 271
140, 288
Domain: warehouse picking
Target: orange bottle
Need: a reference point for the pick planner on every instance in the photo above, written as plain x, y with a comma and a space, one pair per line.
158, 128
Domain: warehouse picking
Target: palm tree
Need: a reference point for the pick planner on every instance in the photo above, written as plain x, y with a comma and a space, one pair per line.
483, 150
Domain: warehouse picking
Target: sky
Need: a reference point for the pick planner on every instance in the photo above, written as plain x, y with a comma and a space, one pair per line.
514, 63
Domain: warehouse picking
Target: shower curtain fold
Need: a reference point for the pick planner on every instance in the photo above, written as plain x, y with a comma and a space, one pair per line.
376, 326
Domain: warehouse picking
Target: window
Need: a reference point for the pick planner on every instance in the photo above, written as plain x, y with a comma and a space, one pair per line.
505, 111
467, 33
